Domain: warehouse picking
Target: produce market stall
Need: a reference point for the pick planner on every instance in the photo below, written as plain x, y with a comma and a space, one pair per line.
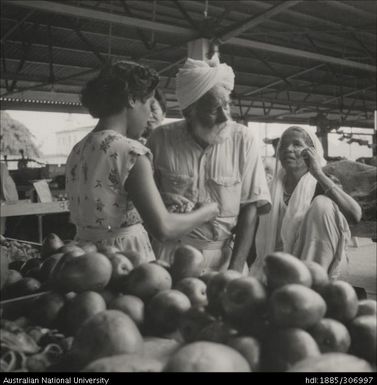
72, 306
104, 311
39, 209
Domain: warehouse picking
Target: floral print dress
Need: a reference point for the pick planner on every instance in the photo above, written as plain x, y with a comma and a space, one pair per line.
96, 171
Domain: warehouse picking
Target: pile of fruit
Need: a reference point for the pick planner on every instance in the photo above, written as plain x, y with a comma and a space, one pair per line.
125, 315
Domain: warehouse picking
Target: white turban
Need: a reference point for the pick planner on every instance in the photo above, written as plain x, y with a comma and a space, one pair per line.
197, 77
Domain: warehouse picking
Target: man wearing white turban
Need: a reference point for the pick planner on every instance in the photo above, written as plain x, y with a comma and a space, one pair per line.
209, 157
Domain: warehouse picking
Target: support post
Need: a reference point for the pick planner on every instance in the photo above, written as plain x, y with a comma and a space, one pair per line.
202, 49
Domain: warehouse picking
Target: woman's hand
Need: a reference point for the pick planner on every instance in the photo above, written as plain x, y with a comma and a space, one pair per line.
312, 160
177, 203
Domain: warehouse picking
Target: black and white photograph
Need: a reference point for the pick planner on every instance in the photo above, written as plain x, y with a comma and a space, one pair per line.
188, 186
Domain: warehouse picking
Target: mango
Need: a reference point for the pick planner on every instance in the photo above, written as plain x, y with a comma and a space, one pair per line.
250, 349
165, 309
205, 356
367, 307
152, 358
78, 310
107, 333
90, 271
331, 336
51, 245
320, 278
296, 306
332, 362
341, 300
195, 289
128, 363
188, 262
24, 286
146, 280
363, 332
284, 348
130, 305
282, 269
216, 288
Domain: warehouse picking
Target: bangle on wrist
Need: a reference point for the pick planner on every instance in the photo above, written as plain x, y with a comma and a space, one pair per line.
330, 188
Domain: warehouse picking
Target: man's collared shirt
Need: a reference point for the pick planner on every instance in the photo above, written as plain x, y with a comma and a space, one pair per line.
230, 172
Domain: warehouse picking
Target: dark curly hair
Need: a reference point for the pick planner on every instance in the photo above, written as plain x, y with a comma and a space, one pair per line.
109, 92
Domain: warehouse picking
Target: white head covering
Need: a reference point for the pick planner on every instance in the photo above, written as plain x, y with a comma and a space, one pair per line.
298, 205
197, 77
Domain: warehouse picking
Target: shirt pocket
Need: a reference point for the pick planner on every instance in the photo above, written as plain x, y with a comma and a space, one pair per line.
227, 192
176, 183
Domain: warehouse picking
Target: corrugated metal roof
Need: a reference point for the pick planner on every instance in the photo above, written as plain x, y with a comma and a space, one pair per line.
299, 71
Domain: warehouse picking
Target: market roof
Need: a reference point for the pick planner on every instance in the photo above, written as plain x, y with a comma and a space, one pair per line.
295, 61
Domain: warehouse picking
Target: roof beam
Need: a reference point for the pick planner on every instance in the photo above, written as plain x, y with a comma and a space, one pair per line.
346, 7
281, 80
301, 53
169, 66
253, 21
18, 23
311, 18
135, 22
87, 13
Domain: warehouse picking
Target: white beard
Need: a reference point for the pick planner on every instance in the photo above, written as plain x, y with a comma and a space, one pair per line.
211, 136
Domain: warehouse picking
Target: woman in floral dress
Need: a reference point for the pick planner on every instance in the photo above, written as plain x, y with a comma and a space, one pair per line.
109, 177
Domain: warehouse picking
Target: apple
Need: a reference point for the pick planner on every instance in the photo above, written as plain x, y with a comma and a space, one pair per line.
146, 280
216, 287
188, 262
245, 295
130, 305
121, 266
165, 310
250, 348
195, 289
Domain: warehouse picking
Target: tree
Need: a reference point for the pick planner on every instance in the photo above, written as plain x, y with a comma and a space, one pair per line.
15, 137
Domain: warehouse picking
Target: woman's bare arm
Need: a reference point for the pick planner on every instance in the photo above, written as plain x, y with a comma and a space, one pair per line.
163, 225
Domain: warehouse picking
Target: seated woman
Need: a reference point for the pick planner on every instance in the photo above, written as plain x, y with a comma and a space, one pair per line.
109, 177
309, 211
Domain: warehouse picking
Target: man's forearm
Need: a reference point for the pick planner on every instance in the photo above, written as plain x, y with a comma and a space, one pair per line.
247, 221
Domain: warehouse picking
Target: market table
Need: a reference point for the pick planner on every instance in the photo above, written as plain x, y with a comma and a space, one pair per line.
38, 209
